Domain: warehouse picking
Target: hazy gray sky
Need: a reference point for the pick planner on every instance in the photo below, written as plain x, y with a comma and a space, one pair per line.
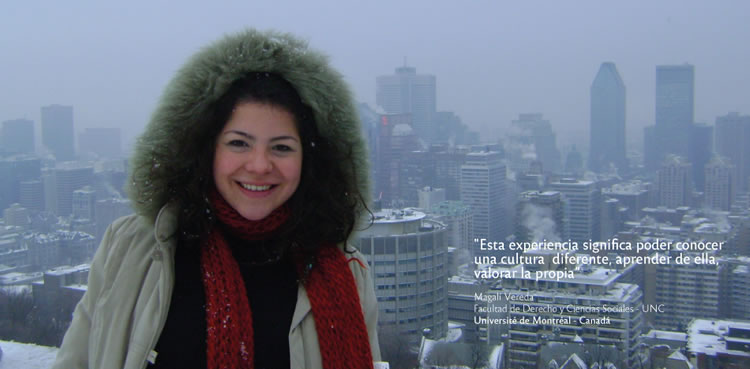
493, 59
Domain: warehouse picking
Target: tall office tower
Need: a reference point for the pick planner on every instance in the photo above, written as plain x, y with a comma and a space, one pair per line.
84, 203
448, 162
613, 218
457, 217
720, 184
674, 182
104, 142
417, 172
582, 209
370, 120
607, 131
57, 131
700, 152
532, 138
593, 307
407, 257
49, 186
539, 216
483, 190
70, 177
409, 92
574, 162
450, 129
732, 137
31, 194
395, 139
674, 113
686, 291
13, 171
17, 136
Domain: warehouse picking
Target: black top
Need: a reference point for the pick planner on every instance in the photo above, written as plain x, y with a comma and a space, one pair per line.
272, 294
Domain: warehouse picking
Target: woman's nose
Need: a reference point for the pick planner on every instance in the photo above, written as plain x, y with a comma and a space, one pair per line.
258, 162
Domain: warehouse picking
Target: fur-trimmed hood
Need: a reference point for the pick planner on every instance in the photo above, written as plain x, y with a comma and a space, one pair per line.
207, 76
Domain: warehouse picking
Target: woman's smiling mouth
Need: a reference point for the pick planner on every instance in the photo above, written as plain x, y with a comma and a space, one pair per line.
255, 188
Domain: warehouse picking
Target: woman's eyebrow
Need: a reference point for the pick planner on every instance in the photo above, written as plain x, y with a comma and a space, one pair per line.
279, 138
251, 137
241, 133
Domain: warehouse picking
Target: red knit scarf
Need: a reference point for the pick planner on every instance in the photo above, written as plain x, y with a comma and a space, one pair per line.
330, 286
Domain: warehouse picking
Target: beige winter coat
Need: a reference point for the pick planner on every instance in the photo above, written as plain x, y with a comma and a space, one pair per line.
120, 318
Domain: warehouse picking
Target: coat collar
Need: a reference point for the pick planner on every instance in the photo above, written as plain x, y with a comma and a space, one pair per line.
165, 225
302, 309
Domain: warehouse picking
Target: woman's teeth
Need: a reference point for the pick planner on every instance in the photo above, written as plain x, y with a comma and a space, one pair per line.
250, 187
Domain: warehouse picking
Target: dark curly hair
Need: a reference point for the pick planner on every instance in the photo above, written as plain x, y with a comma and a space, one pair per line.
327, 203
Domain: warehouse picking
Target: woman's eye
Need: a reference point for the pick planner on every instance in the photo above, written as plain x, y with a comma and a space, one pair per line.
283, 148
237, 143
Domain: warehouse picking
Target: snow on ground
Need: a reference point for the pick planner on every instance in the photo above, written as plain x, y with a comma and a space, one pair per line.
26, 356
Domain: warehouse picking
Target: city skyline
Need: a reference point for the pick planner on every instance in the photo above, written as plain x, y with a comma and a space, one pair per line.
551, 90
490, 66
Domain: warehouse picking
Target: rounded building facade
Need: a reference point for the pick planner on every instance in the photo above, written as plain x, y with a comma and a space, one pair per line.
408, 257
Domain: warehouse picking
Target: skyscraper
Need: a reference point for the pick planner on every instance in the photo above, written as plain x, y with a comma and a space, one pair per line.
582, 209
674, 115
607, 134
448, 162
69, 178
417, 172
84, 203
483, 189
395, 138
700, 148
57, 131
732, 137
687, 291
13, 171
675, 95
31, 194
532, 139
720, 184
17, 136
674, 182
409, 92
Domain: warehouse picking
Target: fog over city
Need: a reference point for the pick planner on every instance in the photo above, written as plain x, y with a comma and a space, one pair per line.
538, 170
492, 59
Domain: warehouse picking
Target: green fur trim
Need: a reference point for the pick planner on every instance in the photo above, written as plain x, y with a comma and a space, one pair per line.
206, 77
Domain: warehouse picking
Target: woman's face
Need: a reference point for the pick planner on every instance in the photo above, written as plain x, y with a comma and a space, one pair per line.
258, 159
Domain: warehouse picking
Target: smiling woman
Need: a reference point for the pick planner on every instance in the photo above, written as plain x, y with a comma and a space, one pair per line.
258, 159
247, 183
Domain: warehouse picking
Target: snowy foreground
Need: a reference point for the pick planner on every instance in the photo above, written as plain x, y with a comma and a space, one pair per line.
26, 356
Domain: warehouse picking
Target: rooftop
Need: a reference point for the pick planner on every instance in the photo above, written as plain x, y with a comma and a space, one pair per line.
666, 335
62, 270
710, 337
398, 215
